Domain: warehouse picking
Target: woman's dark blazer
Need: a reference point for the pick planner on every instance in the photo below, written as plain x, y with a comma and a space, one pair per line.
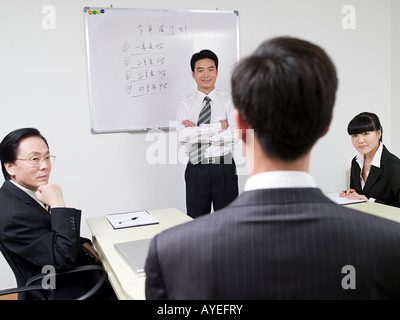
383, 183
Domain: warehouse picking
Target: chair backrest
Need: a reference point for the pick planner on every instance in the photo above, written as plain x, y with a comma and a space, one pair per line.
19, 276
20, 279
36, 292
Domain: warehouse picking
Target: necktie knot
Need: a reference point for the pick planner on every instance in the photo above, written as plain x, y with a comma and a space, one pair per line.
207, 99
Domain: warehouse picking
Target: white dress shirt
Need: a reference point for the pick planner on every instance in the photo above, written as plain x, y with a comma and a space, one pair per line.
220, 142
280, 179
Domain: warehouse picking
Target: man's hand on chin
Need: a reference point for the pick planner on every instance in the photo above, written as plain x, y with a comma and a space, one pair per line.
51, 194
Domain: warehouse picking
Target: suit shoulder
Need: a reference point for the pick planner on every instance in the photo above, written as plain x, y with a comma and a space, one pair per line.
390, 162
194, 231
8, 204
388, 156
394, 159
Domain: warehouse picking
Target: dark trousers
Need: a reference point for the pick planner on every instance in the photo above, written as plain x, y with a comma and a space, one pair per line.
210, 183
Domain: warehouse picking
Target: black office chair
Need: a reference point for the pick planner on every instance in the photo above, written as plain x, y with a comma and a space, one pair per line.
31, 285
50, 292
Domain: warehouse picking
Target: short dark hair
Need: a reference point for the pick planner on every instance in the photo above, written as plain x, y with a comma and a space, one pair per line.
10, 143
286, 91
203, 54
364, 122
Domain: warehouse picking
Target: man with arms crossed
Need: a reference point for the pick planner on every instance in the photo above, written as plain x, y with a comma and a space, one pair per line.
281, 238
205, 126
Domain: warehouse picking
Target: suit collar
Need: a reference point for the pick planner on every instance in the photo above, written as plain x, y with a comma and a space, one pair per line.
373, 176
281, 196
20, 194
357, 180
26, 190
385, 156
375, 172
376, 161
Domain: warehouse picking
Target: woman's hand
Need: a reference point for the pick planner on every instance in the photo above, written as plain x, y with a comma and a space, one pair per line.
352, 194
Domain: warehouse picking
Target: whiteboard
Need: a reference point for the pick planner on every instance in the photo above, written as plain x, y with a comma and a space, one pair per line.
139, 62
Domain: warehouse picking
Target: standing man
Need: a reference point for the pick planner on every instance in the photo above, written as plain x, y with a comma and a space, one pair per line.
282, 238
205, 126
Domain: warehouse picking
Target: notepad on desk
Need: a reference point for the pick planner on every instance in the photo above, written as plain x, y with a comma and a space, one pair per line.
131, 219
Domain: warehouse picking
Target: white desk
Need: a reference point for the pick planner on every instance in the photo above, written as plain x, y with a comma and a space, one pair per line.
377, 209
126, 284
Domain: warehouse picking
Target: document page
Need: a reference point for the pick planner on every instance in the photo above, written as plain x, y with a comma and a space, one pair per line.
131, 219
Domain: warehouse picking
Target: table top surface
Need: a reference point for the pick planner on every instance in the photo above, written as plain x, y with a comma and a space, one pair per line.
377, 209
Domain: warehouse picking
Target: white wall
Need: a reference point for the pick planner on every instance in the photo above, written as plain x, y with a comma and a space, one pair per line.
395, 68
43, 83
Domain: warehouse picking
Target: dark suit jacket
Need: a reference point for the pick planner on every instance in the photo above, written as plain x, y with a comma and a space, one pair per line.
383, 183
277, 244
32, 238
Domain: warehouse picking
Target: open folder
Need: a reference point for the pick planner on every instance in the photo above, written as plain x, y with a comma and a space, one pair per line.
131, 219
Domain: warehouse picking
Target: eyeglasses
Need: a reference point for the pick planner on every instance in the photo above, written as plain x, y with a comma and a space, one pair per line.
36, 161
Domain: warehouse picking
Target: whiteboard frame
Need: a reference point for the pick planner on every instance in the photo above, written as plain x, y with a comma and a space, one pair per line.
91, 107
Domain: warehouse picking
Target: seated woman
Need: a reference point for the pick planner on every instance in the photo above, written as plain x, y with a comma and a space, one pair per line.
375, 172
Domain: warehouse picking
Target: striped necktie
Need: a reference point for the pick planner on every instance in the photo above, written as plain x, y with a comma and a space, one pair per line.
197, 150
